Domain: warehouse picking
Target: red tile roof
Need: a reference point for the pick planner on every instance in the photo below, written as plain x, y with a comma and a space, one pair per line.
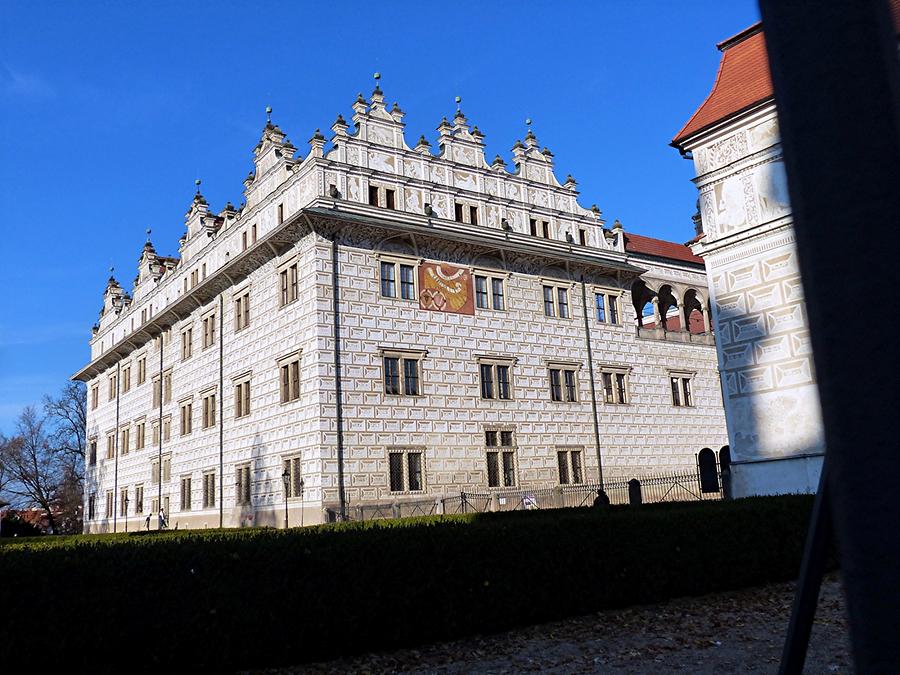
659, 248
743, 79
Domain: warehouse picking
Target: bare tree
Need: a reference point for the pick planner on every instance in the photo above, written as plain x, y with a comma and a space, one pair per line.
67, 415
35, 471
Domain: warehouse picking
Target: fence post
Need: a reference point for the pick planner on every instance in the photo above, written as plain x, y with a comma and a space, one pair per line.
635, 498
395, 510
495, 503
439, 507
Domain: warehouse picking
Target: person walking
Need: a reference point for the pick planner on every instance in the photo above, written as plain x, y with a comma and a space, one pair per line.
163, 525
147, 521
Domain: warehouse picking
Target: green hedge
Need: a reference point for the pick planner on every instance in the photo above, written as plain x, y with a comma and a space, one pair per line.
228, 599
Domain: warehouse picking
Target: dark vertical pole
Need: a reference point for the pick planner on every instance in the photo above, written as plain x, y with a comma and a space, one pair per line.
836, 79
159, 465
221, 411
590, 358
116, 449
335, 289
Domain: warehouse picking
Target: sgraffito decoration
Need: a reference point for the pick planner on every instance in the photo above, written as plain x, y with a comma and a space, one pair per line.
446, 288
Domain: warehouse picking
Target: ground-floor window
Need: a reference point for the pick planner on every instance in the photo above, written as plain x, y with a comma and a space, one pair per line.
500, 453
406, 469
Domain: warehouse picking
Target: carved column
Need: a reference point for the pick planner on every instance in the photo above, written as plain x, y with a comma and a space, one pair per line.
657, 319
706, 325
683, 318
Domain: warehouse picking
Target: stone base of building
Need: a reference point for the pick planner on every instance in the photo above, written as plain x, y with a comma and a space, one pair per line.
790, 475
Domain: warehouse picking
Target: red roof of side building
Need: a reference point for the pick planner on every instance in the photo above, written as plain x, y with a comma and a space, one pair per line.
659, 248
743, 79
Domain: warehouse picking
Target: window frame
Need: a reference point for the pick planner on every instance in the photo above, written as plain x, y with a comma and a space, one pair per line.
241, 392
186, 404
240, 486
491, 277
684, 396
612, 306
568, 392
210, 330
289, 389
398, 284
501, 451
612, 394
406, 453
557, 288
209, 412
564, 461
403, 356
494, 363
240, 305
288, 282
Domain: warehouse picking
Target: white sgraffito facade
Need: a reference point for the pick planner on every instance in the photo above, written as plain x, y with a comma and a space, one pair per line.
451, 208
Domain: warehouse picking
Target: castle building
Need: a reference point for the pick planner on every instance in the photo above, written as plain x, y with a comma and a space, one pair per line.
746, 238
380, 323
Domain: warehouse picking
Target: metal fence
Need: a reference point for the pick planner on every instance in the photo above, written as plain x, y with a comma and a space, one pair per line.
652, 489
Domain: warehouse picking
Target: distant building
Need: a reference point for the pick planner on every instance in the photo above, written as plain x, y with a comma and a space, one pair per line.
388, 324
745, 236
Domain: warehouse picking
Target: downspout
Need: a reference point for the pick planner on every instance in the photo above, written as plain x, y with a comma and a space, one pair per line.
590, 355
116, 448
160, 428
221, 412
335, 290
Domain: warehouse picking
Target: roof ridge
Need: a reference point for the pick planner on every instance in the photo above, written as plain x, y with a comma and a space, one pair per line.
750, 31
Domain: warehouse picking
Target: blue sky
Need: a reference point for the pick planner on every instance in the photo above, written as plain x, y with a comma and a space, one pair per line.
110, 110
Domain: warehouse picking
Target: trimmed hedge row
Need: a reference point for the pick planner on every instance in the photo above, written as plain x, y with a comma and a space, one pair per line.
228, 599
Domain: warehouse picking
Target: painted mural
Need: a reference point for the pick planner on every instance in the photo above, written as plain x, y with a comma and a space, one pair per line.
446, 288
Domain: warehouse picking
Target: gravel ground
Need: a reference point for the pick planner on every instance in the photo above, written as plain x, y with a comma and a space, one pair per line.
735, 632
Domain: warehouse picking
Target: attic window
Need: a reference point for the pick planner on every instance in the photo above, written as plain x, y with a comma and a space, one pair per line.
373, 195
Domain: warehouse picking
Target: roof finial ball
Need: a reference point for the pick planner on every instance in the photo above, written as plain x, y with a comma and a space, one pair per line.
528, 123
268, 114
377, 77
148, 234
197, 183
458, 100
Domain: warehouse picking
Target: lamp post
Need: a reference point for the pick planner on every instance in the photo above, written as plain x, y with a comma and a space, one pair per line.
286, 479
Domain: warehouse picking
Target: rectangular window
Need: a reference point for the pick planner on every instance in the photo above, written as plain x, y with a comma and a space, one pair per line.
562, 295
391, 272
489, 292
556, 301
126, 379
167, 429
280, 214
186, 410
392, 375
481, 293
92, 452
546, 229
615, 387
209, 490
405, 466
92, 506
167, 469
110, 444
500, 453
458, 212
123, 501
209, 330
138, 499
373, 195
570, 466
563, 386
244, 240
187, 344
388, 280
497, 296
154, 433
142, 370
495, 380
209, 410
109, 504
242, 398
532, 227
402, 373
154, 471
167, 387
95, 396
411, 377
156, 392
681, 390
139, 436
582, 237
112, 387
124, 440
242, 483
607, 307
186, 493
242, 311
473, 215
295, 483
407, 282
389, 200
253, 233
290, 380
288, 279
